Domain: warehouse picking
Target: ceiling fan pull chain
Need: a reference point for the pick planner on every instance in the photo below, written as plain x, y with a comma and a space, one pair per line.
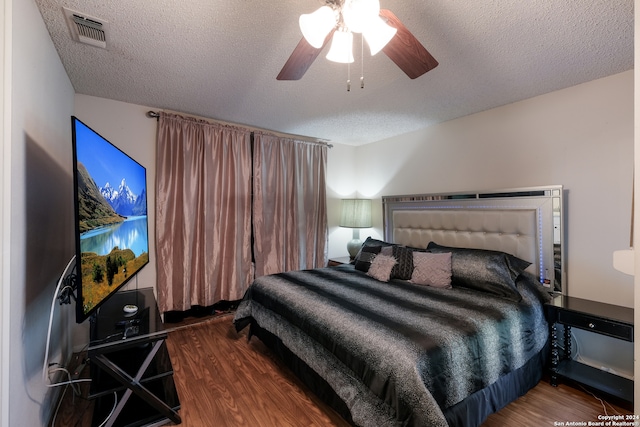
348, 77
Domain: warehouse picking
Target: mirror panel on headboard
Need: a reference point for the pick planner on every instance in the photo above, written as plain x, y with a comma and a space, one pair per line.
526, 222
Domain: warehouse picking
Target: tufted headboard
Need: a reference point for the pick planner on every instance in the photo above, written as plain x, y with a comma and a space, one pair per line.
525, 222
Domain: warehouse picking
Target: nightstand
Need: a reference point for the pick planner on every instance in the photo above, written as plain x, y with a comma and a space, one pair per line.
600, 318
339, 261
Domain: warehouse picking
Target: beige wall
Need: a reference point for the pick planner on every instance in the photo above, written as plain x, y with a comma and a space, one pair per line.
38, 239
341, 183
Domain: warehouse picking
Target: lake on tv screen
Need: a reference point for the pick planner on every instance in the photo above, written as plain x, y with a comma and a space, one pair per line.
110, 256
129, 234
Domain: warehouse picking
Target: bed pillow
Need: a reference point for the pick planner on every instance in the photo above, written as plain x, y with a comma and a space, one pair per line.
488, 271
432, 269
404, 258
381, 267
369, 249
365, 257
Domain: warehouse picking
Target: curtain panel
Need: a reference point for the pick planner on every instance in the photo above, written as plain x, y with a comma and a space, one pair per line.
203, 212
290, 211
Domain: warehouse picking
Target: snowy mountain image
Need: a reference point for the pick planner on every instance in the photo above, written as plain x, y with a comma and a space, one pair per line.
123, 200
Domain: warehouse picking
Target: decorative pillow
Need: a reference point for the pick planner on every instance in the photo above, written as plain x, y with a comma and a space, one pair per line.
365, 257
432, 269
368, 250
404, 258
494, 272
381, 267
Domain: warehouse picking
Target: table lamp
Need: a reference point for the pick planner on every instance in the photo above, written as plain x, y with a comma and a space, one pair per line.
356, 214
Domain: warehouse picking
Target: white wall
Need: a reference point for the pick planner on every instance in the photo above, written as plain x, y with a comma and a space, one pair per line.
38, 184
5, 208
580, 137
341, 184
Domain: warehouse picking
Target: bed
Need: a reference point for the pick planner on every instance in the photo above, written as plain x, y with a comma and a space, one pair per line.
391, 340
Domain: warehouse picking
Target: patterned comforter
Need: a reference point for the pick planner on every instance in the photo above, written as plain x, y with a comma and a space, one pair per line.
396, 353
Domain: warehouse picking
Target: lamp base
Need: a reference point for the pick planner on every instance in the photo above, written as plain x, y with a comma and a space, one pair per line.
353, 247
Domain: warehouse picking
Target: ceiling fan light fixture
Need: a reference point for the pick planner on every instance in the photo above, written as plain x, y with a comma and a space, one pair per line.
378, 34
359, 14
341, 47
316, 25
402, 48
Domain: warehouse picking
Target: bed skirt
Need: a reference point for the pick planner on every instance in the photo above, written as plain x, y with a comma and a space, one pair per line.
471, 412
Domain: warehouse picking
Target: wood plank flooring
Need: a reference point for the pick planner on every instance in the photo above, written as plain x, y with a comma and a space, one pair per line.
224, 380
246, 385
254, 389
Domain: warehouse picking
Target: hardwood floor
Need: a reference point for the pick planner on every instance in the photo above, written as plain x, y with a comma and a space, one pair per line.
245, 384
248, 387
225, 380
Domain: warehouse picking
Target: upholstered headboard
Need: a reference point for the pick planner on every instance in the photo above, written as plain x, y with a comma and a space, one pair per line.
525, 222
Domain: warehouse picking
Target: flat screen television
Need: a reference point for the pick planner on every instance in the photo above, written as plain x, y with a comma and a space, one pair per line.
112, 240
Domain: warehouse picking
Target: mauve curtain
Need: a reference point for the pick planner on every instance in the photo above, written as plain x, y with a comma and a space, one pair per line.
203, 212
290, 211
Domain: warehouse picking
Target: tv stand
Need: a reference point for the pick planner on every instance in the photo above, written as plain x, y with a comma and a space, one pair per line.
130, 364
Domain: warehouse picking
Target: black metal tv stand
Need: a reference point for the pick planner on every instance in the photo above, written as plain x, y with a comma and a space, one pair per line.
131, 371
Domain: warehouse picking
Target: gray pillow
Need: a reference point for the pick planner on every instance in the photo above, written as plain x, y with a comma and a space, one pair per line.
365, 257
432, 269
488, 271
369, 249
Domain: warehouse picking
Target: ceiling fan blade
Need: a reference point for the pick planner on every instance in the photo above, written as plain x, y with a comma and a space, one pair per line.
301, 59
405, 50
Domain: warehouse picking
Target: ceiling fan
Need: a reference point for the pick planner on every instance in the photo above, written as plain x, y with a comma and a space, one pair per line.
337, 20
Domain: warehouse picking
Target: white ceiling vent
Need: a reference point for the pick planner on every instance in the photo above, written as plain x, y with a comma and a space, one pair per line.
86, 29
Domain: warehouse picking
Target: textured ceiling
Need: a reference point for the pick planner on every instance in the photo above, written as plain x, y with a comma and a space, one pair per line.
219, 59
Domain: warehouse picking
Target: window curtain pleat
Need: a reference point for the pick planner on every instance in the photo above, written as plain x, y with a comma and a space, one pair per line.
203, 212
205, 207
290, 212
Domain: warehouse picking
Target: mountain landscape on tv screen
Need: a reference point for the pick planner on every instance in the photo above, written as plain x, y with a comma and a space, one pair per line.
101, 206
93, 209
118, 216
123, 201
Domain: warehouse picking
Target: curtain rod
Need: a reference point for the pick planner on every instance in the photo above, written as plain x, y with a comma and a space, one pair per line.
155, 115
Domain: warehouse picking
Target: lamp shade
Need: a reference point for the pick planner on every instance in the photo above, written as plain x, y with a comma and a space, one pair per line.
378, 34
315, 26
341, 47
356, 213
358, 14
